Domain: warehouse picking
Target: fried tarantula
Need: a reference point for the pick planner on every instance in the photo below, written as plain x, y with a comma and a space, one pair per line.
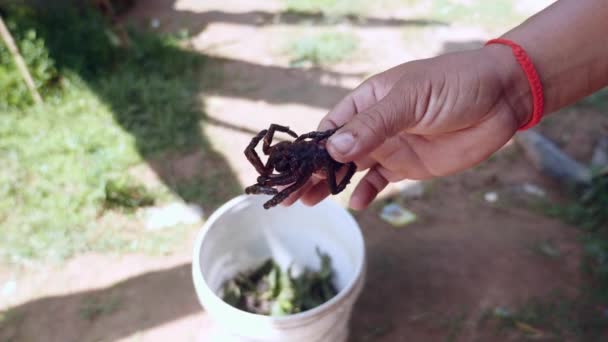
295, 162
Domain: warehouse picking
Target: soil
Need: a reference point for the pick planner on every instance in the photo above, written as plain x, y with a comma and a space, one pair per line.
433, 280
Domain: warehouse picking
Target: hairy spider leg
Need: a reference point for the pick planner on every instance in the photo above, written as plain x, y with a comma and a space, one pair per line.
270, 135
286, 192
252, 155
277, 179
331, 177
317, 136
260, 189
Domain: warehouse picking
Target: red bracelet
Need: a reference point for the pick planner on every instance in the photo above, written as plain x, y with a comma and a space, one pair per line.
533, 80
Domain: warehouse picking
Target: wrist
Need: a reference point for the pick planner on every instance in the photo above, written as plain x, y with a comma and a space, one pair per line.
515, 89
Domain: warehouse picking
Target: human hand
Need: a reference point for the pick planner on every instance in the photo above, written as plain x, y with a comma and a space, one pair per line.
425, 119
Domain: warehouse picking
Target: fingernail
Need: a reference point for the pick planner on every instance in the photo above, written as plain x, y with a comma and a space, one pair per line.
342, 142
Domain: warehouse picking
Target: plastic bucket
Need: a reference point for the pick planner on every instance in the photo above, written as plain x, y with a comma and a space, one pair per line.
241, 234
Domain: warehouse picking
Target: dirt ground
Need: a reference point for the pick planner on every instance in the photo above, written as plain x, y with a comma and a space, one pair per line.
433, 280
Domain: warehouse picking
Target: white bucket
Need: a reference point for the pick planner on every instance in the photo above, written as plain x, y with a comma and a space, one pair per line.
241, 234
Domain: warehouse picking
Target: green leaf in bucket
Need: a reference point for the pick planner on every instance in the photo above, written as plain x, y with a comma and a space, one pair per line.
267, 290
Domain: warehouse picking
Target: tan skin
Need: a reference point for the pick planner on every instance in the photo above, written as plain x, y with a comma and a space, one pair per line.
435, 117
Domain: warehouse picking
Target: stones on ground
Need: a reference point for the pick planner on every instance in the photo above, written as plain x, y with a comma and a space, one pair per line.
171, 215
550, 160
491, 197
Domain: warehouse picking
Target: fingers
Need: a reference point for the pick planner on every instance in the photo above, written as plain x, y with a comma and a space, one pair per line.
316, 194
367, 130
321, 190
302, 191
368, 188
360, 99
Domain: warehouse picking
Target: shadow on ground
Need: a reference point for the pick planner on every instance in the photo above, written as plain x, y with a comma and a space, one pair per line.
107, 314
153, 86
427, 282
171, 18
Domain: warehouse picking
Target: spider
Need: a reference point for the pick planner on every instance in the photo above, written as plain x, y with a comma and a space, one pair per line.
295, 161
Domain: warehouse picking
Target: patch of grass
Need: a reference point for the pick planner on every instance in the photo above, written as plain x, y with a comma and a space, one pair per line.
202, 189
127, 194
491, 14
93, 308
322, 49
590, 214
10, 324
553, 318
455, 325
329, 7
545, 248
56, 158
112, 108
597, 100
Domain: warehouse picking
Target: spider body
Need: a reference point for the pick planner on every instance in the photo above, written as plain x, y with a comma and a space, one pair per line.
294, 162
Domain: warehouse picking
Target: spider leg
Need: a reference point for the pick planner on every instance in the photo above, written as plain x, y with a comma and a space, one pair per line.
318, 136
270, 135
331, 177
281, 196
260, 189
252, 155
280, 179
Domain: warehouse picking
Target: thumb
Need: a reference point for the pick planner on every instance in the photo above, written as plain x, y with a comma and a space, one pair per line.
367, 130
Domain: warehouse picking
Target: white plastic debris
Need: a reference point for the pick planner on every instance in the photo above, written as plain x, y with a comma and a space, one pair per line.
397, 215
9, 288
155, 23
171, 215
600, 154
490, 197
533, 189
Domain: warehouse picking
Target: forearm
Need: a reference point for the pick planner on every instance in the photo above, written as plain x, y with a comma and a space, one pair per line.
568, 44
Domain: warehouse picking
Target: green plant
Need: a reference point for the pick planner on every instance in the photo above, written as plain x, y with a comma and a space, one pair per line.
322, 49
332, 7
491, 14
590, 214
268, 290
112, 108
598, 100
15, 93
125, 193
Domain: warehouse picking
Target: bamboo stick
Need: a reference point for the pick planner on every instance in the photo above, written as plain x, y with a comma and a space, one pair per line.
27, 77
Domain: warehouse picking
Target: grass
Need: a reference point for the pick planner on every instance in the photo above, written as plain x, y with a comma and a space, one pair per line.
107, 108
597, 100
588, 315
494, 15
10, 323
321, 49
545, 248
536, 319
500, 14
455, 326
328, 7
554, 318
